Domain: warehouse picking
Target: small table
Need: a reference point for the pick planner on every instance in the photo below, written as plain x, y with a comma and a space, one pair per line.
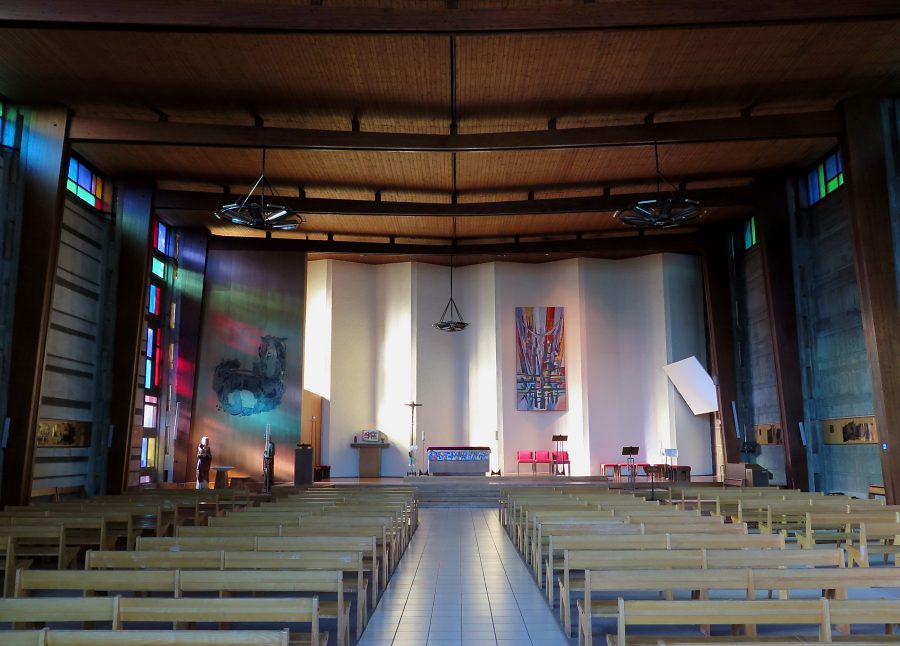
221, 477
369, 458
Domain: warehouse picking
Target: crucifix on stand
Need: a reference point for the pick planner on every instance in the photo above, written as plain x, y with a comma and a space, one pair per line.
413, 448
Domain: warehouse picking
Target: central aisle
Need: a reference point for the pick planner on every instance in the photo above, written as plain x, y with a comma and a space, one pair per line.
462, 582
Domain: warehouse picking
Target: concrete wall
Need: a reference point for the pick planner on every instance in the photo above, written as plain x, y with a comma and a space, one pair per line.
836, 380
757, 387
247, 295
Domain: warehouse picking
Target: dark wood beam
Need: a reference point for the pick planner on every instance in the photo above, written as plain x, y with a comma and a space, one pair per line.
787, 126
715, 264
631, 245
271, 16
133, 228
773, 225
866, 173
44, 156
199, 201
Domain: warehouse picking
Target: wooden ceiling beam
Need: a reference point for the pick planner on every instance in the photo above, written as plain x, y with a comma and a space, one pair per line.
168, 133
629, 245
281, 17
199, 201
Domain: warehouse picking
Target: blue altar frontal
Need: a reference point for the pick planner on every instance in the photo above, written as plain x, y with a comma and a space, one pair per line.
458, 460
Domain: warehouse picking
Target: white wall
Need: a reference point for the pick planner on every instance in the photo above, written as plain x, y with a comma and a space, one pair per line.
394, 362
436, 360
684, 314
353, 351
624, 320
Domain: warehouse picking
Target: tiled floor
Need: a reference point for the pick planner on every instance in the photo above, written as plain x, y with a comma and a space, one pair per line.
461, 581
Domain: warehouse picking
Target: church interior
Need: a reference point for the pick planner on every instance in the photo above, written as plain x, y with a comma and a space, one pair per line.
435, 321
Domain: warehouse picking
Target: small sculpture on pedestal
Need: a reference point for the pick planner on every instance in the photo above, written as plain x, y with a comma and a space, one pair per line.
204, 460
268, 463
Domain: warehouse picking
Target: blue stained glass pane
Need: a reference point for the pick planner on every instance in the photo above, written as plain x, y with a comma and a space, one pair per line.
161, 238
748, 240
149, 342
73, 169
148, 374
840, 164
831, 167
84, 177
812, 186
152, 307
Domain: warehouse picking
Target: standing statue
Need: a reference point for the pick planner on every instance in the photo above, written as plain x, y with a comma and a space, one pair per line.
204, 460
268, 466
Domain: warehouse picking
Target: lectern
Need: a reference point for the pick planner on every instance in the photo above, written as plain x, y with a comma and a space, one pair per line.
369, 458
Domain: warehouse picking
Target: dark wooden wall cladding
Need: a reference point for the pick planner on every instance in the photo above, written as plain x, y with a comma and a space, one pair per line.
866, 175
715, 264
44, 154
773, 225
133, 226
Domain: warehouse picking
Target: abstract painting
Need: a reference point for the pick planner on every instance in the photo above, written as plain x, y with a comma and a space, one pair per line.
540, 359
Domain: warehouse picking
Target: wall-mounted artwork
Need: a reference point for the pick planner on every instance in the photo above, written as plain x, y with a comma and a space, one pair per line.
768, 433
850, 430
260, 389
63, 433
540, 359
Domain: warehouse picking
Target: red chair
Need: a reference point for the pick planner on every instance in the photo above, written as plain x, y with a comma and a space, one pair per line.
524, 457
543, 457
562, 457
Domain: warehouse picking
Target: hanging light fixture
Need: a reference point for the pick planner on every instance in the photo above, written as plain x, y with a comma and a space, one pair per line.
662, 211
252, 210
451, 319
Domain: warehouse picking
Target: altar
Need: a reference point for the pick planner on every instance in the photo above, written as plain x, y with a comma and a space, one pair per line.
458, 460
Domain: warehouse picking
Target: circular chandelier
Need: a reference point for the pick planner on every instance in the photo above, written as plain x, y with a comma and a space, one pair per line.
662, 211
252, 210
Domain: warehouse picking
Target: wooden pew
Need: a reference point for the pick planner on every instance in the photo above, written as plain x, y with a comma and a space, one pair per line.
823, 527
750, 613
559, 542
119, 610
873, 537
47, 637
577, 562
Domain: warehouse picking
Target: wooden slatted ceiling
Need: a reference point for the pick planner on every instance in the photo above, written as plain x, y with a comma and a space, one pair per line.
548, 168
562, 74
393, 82
472, 227
505, 175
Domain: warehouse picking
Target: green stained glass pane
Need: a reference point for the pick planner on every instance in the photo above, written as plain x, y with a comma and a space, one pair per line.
832, 184
822, 191
753, 230
840, 179
85, 195
158, 268
72, 186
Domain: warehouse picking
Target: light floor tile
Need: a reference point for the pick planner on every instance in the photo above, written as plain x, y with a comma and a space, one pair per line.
461, 581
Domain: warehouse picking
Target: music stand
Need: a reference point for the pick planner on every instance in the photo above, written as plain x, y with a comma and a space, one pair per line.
560, 441
630, 452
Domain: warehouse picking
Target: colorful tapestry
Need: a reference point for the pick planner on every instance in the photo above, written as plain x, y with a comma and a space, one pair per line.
540, 359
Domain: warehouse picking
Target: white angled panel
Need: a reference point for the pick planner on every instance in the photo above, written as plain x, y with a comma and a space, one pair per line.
695, 385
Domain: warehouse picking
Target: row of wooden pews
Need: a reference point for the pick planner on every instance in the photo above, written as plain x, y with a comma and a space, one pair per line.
600, 552
329, 549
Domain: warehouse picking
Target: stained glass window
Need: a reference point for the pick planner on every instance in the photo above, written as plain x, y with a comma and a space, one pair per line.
84, 183
158, 267
153, 300
750, 233
825, 178
160, 237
